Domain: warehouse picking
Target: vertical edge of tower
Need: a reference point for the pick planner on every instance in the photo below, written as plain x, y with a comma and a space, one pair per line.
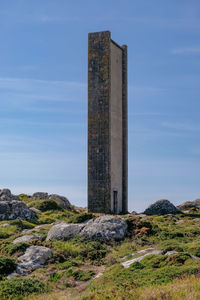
125, 130
99, 122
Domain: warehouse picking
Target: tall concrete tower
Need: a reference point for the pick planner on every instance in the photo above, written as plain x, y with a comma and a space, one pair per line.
107, 125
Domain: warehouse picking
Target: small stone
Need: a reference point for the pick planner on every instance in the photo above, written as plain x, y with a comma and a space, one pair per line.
27, 238
144, 251
40, 195
180, 222
37, 211
34, 258
194, 256
27, 231
12, 275
98, 275
5, 225
173, 217
168, 253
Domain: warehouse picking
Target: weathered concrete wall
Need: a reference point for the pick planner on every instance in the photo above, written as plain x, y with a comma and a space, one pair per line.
107, 124
116, 126
98, 122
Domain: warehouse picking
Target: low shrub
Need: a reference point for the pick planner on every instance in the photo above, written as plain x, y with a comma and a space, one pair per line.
25, 198
22, 224
153, 261
80, 248
166, 234
158, 261
7, 265
138, 227
4, 235
13, 248
177, 259
80, 218
55, 277
18, 288
47, 204
68, 264
79, 274
121, 283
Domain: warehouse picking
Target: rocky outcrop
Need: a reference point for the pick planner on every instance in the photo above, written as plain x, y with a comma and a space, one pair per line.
104, 228
27, 238
11, 210
189, 204
34, 258
64, 231
61, 200
6, 195
40, 195
161, 207
101, 228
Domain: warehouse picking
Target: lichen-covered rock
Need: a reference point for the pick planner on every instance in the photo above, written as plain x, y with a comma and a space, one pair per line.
161, 207
40, 195
101, 228
27, 238
11, 210
6, 195
189, 204
104, 228
34, 258
63, 201
37, 211
64, 231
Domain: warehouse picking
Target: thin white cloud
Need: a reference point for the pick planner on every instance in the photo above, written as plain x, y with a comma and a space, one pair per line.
27, 83
186, 51
52, 18
146, 114
163, 167
27, 89
141, 91
25, 122
184, 23
30, 144
181, 126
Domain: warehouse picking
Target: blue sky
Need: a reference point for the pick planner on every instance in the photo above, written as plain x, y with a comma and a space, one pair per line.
43, 95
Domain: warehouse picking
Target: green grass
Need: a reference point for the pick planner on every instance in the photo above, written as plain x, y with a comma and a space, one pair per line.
13, 248
82, 249
79, 274
45, 205
152, 270
75, 259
